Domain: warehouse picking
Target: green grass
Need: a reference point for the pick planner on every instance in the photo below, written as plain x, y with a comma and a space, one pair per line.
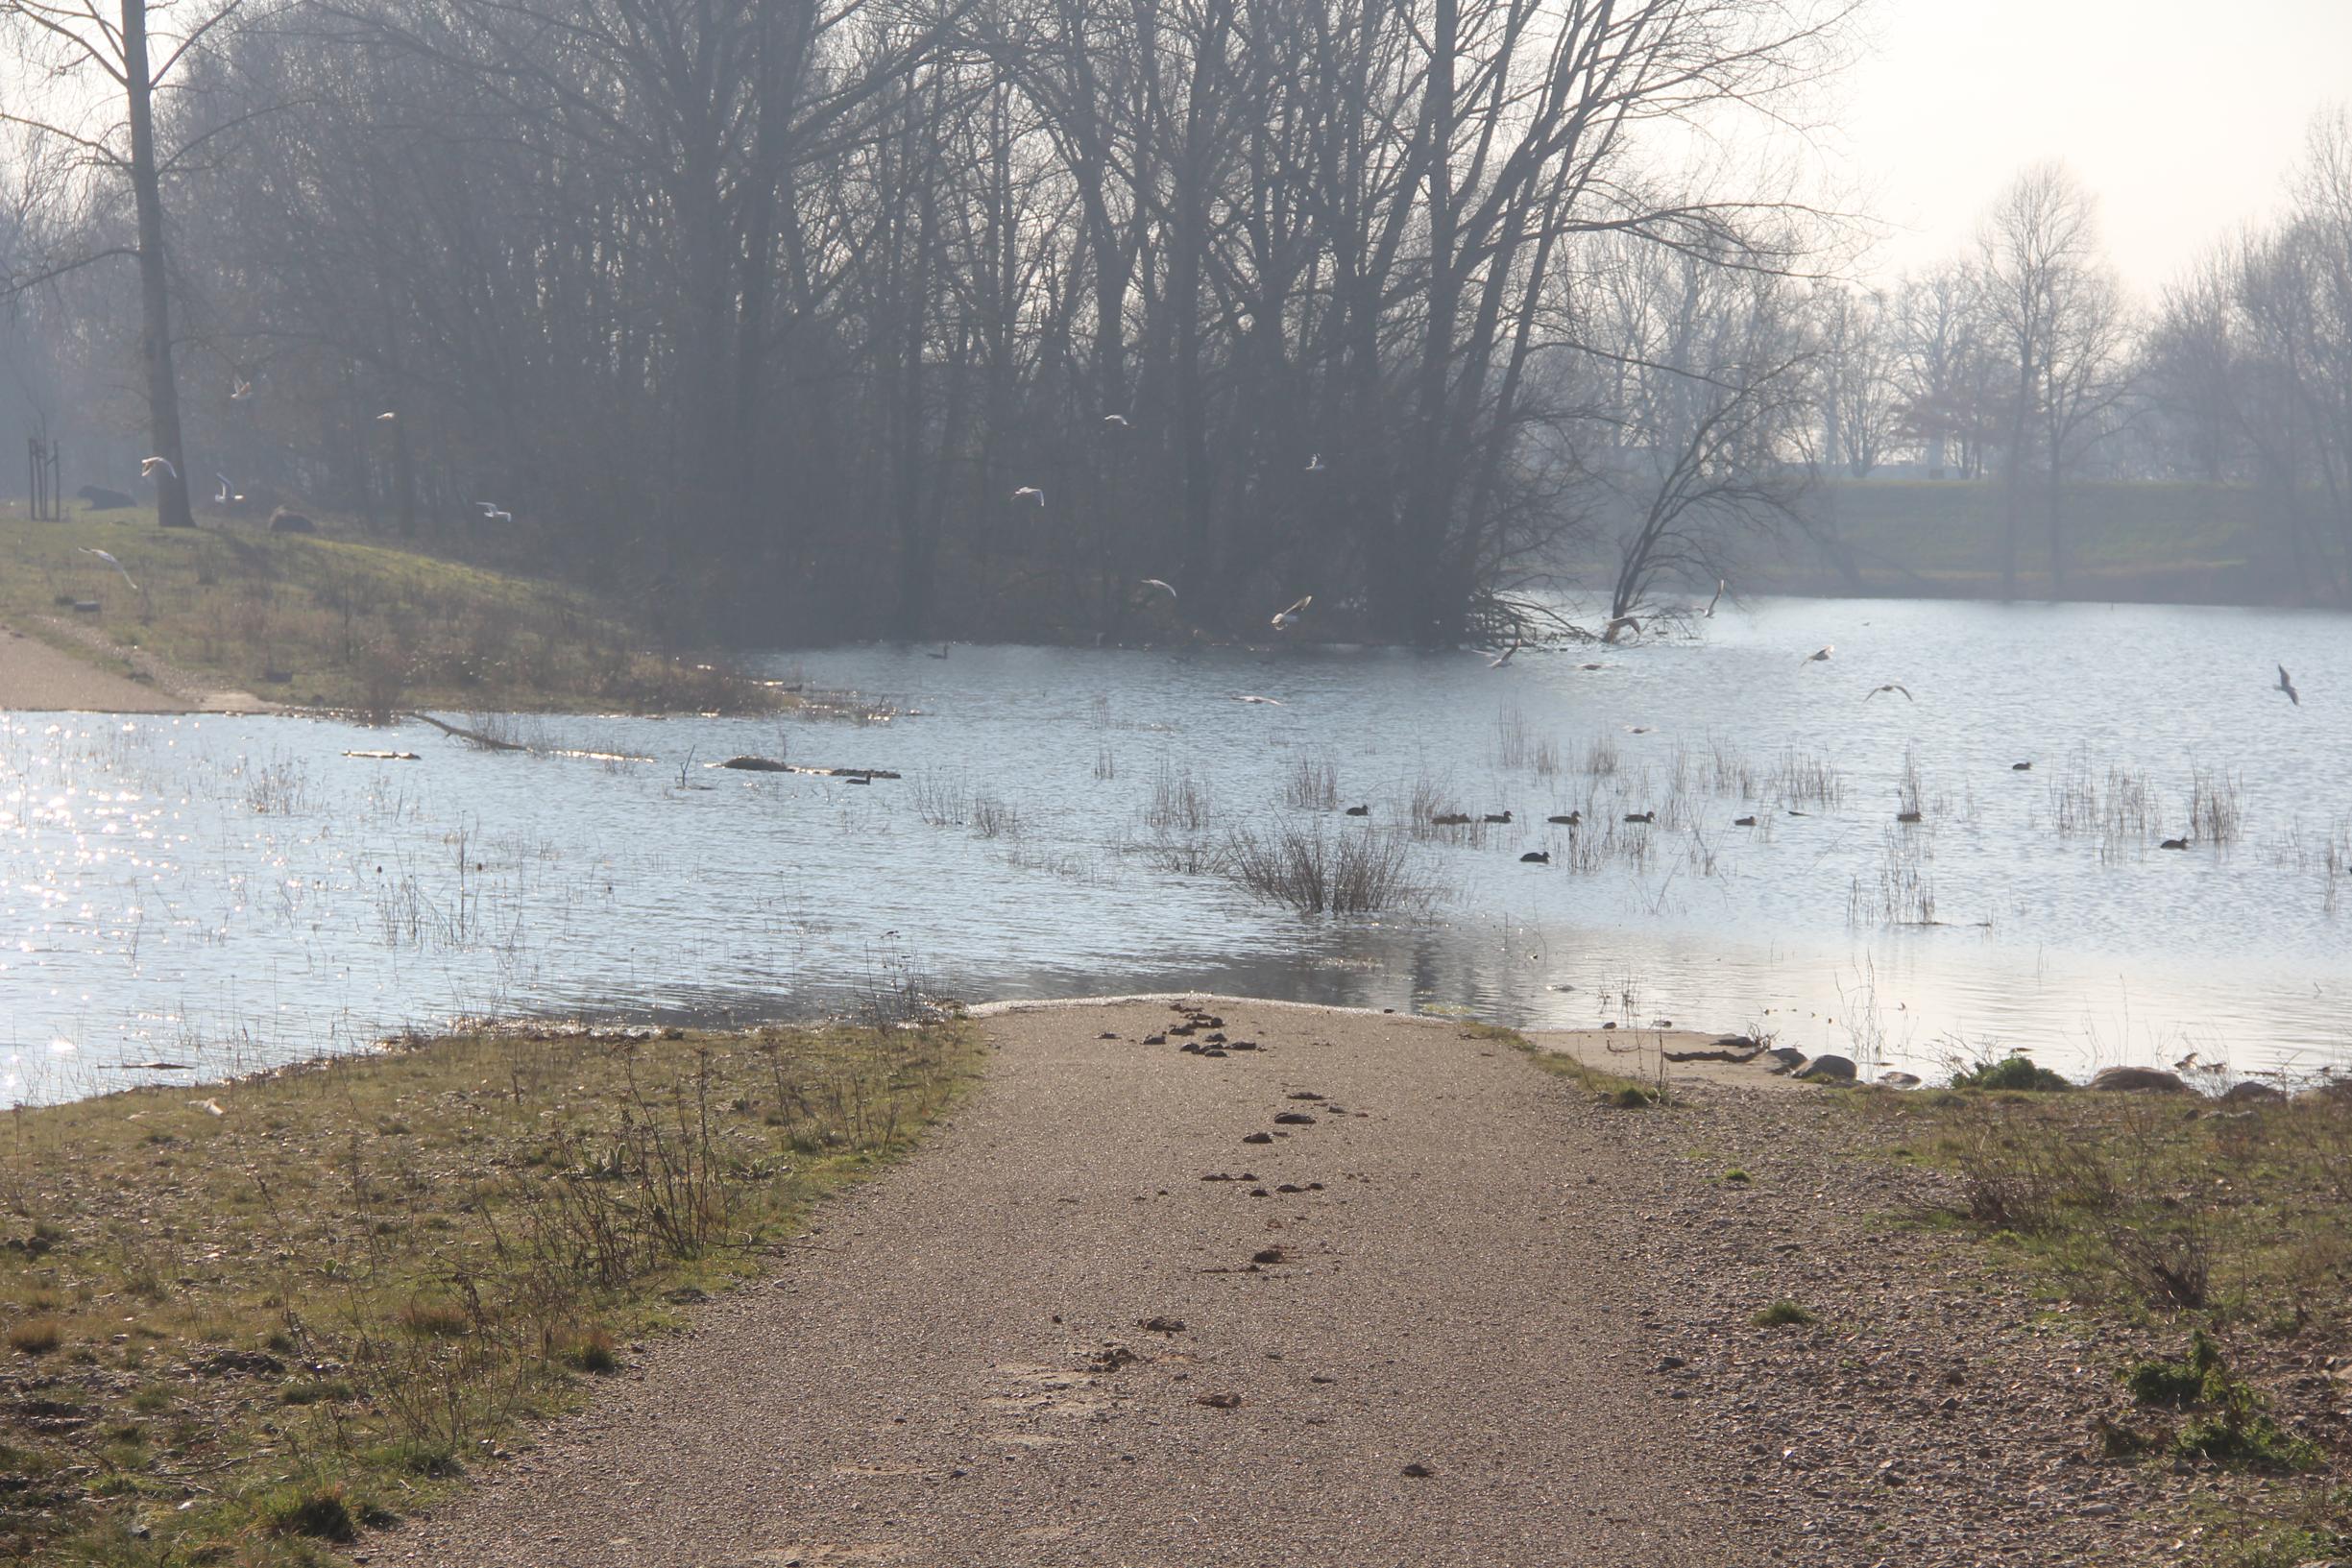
2159, 541
310, 1311
341, 623
2012, 1073
1781, 1314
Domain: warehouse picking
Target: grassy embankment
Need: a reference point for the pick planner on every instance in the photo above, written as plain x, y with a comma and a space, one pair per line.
2225, 1227
2166, 543
339, 622
234, 1335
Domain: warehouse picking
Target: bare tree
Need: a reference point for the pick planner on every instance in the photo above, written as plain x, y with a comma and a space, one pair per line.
75, 39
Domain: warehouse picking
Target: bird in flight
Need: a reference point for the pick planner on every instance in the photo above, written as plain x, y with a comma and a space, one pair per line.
223, 496
2286, 686
1893, 686
239, 389
387, 417
148, 467
1153, 582
1028, 492
1285, 619
109, 560
491, 511
1316, 463
1820, 656
1119, 420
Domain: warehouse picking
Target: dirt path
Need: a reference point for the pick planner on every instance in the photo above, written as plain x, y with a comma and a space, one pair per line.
36, 677
960, 1368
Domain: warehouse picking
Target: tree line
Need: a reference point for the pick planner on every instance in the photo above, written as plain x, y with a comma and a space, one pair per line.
963, 317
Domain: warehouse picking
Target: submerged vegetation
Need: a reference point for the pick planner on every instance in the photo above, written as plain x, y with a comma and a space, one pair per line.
275, 1309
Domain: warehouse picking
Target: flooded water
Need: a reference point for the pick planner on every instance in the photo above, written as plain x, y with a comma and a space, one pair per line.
227, 893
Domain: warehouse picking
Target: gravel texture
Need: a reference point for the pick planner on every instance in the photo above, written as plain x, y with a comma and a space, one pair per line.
1461, 1316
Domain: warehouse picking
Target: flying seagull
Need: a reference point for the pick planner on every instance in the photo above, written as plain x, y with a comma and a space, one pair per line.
1153, 582
1316, 463
111, 561
1821, 656
387, 417
2288, 686
239, 389
148, 467
491, 511
1119, 420
223, 496
1893, 686
1285, 619
1027, 491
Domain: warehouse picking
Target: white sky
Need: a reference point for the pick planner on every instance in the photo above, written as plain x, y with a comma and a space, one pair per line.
2183, 115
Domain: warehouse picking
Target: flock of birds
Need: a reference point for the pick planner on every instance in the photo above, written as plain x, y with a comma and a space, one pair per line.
225, 494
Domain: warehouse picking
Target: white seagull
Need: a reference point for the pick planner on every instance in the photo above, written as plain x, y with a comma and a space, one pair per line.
148, 467
221, 496
1285, 619
491, 511
1119, 420
1153, 582
1820, 656
1892, 686
1316, 463
1027, 491
387, 417
239, 389
2288, 686
111, 561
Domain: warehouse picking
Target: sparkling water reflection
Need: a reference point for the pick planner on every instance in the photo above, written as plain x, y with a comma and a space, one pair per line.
229, 893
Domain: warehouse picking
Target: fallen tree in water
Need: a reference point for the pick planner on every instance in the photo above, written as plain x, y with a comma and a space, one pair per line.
769, 764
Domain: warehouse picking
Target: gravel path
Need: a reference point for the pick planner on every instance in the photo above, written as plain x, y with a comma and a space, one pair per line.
38, 678
977, 1358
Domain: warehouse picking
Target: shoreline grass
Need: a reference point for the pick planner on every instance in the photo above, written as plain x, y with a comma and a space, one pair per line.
328, 622
2222, 1226
246, 1320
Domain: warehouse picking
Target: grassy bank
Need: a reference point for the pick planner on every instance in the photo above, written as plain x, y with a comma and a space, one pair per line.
2221, 1231
2165, 543
340, 623
241, 1321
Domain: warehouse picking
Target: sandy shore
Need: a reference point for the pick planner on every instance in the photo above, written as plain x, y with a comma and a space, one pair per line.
36, 677
1374, 1292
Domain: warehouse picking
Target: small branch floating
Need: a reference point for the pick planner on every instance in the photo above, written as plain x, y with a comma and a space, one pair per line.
769, 764
385, 756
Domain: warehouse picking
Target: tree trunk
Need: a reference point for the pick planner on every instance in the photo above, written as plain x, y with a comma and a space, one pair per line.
155, 284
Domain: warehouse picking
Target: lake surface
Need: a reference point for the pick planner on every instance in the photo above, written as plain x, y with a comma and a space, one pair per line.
232, 892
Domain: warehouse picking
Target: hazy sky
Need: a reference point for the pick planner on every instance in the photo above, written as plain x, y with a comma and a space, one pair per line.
2182, 114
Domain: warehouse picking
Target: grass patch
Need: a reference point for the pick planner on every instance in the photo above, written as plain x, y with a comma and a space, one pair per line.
2012, 1073
2230, 1221
365, 1270
341, 623
1781, 1314
1607, 1088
